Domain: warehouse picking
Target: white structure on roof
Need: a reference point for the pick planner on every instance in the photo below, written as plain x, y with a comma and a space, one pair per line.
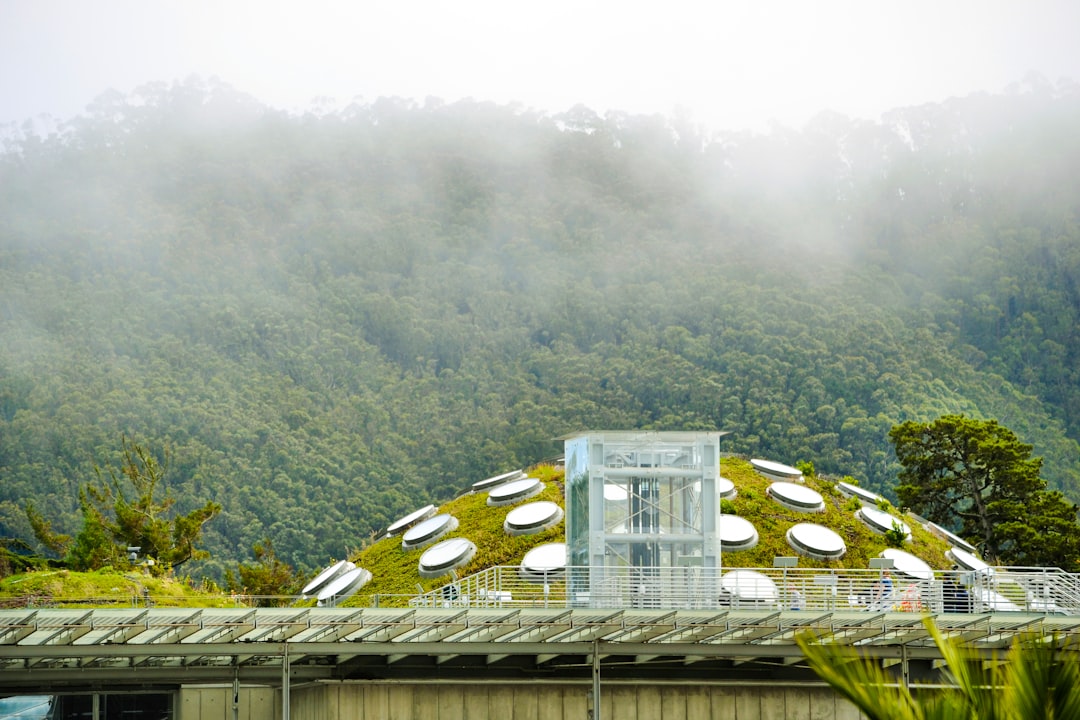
665, 516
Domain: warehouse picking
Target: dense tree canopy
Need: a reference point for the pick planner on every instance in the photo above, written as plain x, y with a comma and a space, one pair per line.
333, 318
977, 477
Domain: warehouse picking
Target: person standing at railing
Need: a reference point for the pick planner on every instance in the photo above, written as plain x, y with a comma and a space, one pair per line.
883, 589
795, 598
955, 598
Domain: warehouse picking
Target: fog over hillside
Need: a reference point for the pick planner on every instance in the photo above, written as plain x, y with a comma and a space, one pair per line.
329, 318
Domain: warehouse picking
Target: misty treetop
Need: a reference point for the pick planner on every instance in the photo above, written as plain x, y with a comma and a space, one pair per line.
331, 319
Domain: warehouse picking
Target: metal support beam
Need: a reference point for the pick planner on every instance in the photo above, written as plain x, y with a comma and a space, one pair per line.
596, 680
285, 702
236, 694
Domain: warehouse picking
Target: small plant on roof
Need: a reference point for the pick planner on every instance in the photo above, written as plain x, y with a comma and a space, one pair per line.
896, 536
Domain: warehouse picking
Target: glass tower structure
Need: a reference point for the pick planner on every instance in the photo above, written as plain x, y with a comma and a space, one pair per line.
641, 517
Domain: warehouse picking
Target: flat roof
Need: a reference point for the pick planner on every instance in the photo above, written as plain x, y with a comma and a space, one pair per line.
44, 650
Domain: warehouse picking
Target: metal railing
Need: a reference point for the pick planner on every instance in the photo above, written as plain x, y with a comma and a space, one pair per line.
1033, 590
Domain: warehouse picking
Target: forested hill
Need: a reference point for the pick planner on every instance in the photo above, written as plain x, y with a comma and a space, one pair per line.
330, 319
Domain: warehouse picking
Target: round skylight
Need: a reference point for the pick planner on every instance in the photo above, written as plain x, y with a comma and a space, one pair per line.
777, 471
411, 519
907, 564
816, 541
725, 489
339, 568
544, 562
446, 556
880, 521
849, 490
514, 491
532, 518
749, 586
967, 561
736, 533
796, 497
954, 539
482, 485
428, 531
343, 586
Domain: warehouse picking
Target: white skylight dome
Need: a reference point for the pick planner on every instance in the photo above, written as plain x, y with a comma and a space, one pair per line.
323, 578
448, 555
532, 518
968, 561
816, 541
849, 490
951, 537
749, 587
411, 519
777, 471
796, 497
343, 587
736, 533
514, 491
483, 485
544, 562
909, 565
881, 522
428, 531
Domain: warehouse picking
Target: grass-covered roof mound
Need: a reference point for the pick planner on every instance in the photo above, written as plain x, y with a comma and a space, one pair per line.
395, 570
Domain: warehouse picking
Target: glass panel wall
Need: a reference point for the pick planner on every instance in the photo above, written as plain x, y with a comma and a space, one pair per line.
89, 706
641, 510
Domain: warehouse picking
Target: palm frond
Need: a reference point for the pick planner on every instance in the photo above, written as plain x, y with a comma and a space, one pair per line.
860, 680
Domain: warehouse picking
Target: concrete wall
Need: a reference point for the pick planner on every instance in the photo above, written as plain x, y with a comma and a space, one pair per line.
539, 700
215, 702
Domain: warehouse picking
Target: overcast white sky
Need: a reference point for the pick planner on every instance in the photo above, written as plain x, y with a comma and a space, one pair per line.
730, 64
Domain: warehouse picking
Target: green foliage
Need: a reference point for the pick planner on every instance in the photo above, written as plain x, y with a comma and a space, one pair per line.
104, 587
16, 557
1036, 679
977, 474
268, 579
58, 543
727, 507
806, 467
113, 521
896, 536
